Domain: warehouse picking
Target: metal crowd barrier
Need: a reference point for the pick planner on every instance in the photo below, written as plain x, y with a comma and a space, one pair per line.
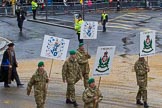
59, 7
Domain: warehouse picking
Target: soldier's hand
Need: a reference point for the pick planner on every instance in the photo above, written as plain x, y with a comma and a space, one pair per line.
47, 80
28, 93
10, 66
16, 64
148, 70
96, 97
96, 101
64, 81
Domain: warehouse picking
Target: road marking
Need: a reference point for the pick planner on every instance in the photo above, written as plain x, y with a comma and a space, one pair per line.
138, 17
114, 31
117, 17
124, 21
119, 27
120, 24
127, 21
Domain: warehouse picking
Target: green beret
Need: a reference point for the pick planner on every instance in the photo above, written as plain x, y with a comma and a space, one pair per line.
72, 52
91, 80
40, 64
81, 44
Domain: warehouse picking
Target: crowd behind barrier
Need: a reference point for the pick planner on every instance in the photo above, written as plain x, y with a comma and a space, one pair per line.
60, 7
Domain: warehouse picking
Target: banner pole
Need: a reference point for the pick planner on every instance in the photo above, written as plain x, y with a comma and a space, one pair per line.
97, 92
87, 46
51, 68
99, 82
147, 59
50, 73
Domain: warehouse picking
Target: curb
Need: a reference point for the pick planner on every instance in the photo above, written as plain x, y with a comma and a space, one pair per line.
49, 23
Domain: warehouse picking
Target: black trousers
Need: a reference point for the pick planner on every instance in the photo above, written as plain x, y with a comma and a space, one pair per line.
104, 26
5, 76
80, 40
34, 14
20, 24
15, 75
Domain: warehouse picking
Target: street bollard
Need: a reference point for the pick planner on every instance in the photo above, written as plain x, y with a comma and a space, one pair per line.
6, 13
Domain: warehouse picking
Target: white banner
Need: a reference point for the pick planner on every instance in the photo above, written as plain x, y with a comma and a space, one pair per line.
54, 47
89, 30
103, 62
147, 43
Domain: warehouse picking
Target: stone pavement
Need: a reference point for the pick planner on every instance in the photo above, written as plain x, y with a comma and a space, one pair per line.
119, 88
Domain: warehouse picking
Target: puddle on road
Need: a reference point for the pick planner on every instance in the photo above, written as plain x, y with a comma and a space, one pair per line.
158, 41
123, 55
7, 102
127, 41
151, 78
132, 92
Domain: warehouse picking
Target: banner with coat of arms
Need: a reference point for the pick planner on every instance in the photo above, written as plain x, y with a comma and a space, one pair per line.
103, 62
89, 30
54, 47
147, 43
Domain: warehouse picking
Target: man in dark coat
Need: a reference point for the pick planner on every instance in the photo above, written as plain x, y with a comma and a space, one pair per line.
8, 66
20, 13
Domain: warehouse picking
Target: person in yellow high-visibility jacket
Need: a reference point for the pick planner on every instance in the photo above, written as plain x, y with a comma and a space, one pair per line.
13, 6
78, 27
34, 8
104, 19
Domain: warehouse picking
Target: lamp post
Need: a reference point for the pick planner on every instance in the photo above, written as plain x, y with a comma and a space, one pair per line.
83, 7
46, 9
145, 3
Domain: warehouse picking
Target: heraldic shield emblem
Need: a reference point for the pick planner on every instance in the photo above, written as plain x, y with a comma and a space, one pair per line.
103, 63
54, 47
147, 45
89, 30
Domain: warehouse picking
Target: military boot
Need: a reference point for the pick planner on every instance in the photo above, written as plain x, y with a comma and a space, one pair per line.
138, 102
75, 104
68, 101
145, 105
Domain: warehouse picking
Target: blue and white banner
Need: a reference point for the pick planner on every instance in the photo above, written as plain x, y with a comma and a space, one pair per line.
89, 30
54, 47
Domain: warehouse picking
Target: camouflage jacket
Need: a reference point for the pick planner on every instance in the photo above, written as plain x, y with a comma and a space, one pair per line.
82, 58
141, 69
39, 82
88, 97
71, 71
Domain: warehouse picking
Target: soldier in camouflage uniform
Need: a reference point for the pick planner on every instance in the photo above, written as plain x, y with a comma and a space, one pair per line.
82, 58
39, 81
92, 95
71, 74
141, 68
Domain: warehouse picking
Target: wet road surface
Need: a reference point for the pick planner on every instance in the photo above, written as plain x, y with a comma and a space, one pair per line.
122, 31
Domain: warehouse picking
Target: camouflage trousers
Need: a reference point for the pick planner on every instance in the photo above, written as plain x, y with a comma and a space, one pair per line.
40, 99
85, 81
91, 105
70, 93
142, 93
